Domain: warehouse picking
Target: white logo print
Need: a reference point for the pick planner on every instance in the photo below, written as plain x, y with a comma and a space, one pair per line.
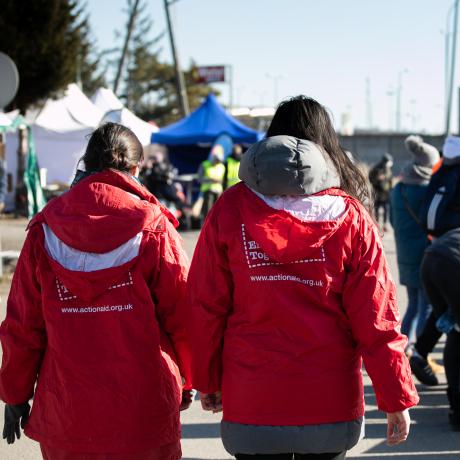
256, 257
64, 294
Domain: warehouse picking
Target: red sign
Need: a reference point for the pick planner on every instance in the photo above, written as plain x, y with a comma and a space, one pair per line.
211, 74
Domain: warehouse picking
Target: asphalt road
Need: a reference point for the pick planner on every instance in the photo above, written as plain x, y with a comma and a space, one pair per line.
430, 436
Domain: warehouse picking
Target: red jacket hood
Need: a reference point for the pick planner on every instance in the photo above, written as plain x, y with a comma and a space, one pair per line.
98, 215
102, 212
273, 229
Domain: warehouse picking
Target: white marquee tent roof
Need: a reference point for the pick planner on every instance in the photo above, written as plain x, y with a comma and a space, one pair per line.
115, 112
62, 126
73, 112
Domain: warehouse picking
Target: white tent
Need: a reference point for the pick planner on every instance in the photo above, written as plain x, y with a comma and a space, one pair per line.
73, 112
115, 112
60, 132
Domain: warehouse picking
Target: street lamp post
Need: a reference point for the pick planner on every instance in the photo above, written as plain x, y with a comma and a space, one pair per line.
390, 93
452, 69
399, 100
275, 79
180, 83
447, 34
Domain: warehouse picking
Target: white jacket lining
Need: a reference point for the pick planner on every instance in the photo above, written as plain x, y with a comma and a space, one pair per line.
75, 260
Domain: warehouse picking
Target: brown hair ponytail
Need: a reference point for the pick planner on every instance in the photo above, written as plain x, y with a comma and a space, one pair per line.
112, 146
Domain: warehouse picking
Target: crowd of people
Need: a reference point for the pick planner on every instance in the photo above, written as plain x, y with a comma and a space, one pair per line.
288, 293
424, 210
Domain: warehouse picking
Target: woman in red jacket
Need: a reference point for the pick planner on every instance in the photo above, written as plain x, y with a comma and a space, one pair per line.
95, 318
290, 291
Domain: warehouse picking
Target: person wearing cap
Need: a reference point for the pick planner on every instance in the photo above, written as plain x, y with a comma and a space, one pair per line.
289, 290
411, 239
381, 179
211, 176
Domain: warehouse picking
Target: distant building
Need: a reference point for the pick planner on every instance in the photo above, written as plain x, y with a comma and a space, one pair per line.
258, 118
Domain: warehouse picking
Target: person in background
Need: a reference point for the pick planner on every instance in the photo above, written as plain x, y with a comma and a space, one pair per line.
440, 274
411, 238
381, 179
441, 269
232, 166
289, 290
211, 177
159, 178
95, 327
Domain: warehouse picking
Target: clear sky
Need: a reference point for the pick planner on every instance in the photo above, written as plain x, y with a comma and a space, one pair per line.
325, 49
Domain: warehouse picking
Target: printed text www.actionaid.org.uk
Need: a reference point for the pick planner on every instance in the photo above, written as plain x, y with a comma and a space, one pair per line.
104, 308
287, 278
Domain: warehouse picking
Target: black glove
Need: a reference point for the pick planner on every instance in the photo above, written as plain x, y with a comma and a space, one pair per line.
187, 398
15, 414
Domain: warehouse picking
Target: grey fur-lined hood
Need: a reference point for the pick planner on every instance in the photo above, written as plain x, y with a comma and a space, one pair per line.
285, 165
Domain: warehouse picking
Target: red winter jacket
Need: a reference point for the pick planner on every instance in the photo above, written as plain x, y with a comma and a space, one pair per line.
95, 318
283, 311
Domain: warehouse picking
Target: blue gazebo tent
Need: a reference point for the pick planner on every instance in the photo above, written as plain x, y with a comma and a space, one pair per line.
203, 126
189, 139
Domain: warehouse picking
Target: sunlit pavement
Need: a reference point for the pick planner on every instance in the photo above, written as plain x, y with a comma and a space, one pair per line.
430, 436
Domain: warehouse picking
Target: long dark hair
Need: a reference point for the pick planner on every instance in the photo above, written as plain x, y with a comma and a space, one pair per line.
112, 146
305, 118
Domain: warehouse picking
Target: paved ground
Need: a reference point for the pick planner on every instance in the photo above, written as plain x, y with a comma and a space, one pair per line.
430, 436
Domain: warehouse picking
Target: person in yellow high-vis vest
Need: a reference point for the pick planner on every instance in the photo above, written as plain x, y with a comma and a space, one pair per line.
211, 176
232, 166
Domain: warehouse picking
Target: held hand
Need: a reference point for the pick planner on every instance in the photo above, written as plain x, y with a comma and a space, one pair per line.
15, 415
187, 398
211, 401
398, 427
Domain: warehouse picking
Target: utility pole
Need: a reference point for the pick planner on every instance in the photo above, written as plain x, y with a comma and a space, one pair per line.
275, 79
368, 104
398, 103
399, 100
390, 93
129, 29
229, 69
180, 83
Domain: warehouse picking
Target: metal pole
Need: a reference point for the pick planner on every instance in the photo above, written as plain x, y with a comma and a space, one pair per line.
399, 90
446, 66
390, 94
446, 59
132, 17
180, 83
230, 86
458, 116
368, 104
398, 103
452, 69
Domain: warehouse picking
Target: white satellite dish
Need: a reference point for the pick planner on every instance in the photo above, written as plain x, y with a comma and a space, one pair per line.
9, 77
